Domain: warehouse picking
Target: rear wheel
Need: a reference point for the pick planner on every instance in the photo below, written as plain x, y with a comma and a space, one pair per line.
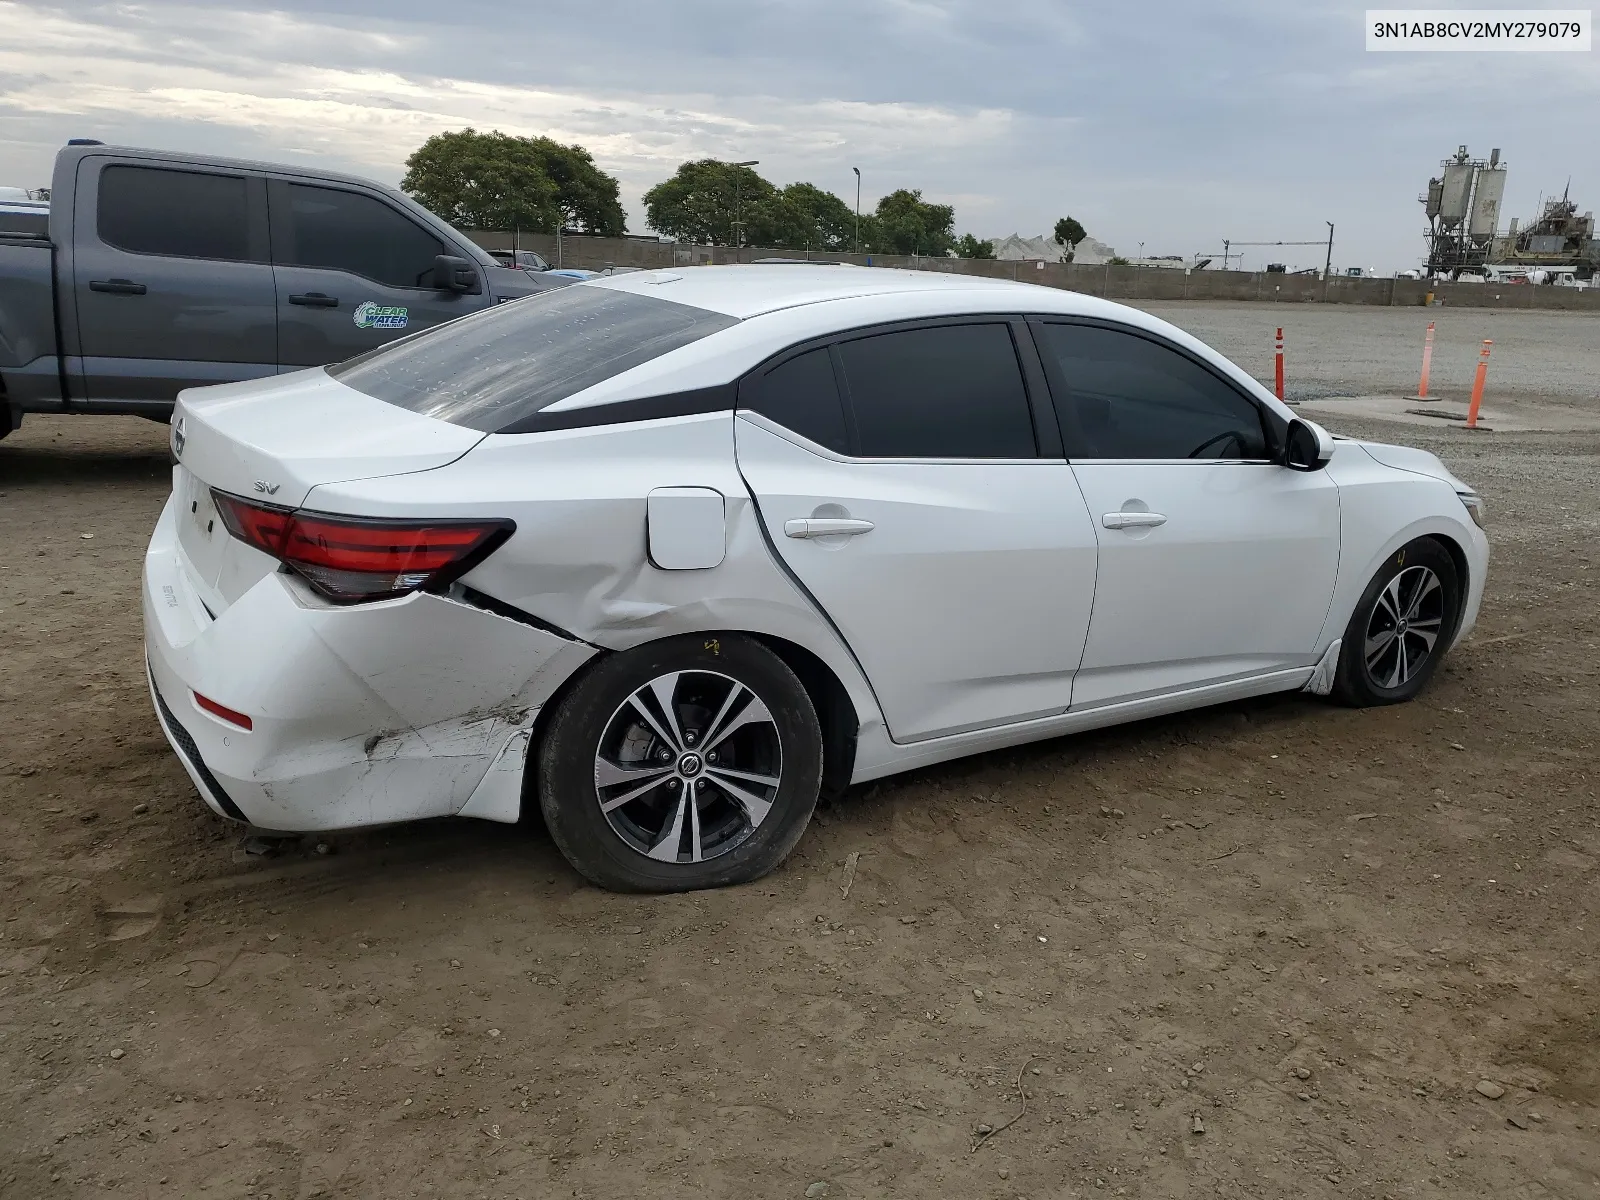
1400, 628
693, 762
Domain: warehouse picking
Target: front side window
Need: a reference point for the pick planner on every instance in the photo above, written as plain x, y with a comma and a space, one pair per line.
180, 214
347, 231
1130, 397
952, 391
494, 368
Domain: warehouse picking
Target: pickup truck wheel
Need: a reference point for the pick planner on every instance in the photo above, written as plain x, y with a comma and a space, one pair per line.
693, 762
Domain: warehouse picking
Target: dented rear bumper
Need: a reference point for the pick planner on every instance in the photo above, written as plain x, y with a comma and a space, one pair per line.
360, 715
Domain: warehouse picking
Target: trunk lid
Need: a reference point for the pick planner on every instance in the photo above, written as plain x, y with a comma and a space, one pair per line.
272, 441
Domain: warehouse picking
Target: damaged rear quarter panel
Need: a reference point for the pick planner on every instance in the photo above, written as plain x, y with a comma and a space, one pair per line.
578, 559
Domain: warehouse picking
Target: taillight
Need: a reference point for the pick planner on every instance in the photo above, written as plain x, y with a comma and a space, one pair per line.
231, 715
350, 559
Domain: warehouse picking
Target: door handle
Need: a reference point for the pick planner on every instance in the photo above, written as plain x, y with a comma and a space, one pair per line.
1132, 520
315, 300
118, 287
815, 527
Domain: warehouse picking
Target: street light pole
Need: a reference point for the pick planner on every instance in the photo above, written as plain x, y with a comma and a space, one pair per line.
738, 233
857, 170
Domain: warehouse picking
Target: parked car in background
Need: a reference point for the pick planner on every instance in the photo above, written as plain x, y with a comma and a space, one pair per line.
665, 554
154, 272
525, 260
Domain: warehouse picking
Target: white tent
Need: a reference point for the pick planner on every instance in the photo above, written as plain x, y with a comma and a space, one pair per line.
1090, 252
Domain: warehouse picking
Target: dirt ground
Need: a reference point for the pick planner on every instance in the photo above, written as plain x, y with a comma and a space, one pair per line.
1263, 950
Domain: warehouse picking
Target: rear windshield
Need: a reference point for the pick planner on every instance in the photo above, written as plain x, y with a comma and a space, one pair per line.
491, 370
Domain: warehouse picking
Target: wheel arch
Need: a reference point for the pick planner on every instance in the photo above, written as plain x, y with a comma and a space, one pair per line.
1458, 556
836, 711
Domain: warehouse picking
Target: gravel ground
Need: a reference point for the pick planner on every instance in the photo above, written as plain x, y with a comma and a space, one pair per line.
1350, 350
1264, 950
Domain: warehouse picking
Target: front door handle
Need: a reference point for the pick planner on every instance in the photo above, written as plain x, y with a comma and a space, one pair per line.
315, 300
815, 527
118, 287
1132, 520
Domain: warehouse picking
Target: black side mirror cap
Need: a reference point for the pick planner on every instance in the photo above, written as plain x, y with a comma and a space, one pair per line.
1307, 446
453, 274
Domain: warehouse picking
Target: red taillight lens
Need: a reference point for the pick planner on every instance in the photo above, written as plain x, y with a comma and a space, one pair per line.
258, 525
232, 716
351, 559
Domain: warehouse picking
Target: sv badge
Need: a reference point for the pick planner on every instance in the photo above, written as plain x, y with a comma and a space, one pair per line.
267, 489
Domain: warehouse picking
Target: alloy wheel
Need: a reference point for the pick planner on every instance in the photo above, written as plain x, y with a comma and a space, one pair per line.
1404, 627
688, 766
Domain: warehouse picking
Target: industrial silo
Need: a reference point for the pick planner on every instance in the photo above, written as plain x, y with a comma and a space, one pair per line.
1486, 201
1457, 189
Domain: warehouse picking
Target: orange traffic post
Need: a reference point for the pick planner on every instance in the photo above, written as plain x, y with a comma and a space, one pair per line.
1477, 385
1280, 362
1427, 361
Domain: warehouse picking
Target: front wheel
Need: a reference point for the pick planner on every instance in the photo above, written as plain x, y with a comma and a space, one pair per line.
692, 762
1401, 627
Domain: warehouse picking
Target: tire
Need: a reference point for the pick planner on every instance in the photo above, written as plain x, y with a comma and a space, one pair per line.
746, 743
1415, 596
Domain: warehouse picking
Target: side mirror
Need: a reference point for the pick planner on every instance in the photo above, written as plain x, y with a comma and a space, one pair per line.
1307, 447
452, 274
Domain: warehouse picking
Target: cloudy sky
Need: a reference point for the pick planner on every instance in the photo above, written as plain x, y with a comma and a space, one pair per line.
1175, 123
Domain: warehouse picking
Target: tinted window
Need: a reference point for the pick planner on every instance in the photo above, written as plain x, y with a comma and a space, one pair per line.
492, 369
180, 213
346, 231
1130, 397
951, 392
803, 395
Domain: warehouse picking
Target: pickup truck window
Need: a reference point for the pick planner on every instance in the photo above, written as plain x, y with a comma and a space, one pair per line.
182, 214
500, 366
345, 231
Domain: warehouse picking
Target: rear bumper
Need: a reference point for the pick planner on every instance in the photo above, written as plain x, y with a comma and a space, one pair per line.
360, 715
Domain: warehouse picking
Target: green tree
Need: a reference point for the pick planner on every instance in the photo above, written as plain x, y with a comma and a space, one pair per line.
1068, 234
1116, 260
497, 181
907, 224
698, 203
971, 247
587, 195
803, 217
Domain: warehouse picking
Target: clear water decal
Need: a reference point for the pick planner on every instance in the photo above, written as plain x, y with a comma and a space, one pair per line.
380, 316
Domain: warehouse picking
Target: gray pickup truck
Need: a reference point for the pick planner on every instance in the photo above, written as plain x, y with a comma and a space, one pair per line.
155, 272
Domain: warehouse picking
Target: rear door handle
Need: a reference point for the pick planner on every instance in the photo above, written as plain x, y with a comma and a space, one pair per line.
1132, 520
815, 527
315, 300
119, 287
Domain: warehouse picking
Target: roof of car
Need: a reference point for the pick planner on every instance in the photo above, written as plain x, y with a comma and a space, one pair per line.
752, 289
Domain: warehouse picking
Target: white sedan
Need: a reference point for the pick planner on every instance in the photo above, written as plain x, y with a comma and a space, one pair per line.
667, 554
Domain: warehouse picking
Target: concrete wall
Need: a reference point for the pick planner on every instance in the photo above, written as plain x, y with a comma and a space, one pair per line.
1114, 283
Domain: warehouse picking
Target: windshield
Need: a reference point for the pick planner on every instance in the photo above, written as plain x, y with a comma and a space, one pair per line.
491, 370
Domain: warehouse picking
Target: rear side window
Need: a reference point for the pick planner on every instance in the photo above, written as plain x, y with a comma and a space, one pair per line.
803, 395
491, 370
346, 231
182, 214
1130, 397
954, 391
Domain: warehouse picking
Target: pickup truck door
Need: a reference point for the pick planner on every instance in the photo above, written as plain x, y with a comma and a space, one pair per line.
353, 271
171, 280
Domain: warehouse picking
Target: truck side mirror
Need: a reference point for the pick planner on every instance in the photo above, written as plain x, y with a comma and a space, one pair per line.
453, 274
